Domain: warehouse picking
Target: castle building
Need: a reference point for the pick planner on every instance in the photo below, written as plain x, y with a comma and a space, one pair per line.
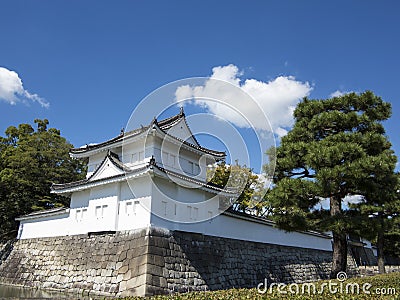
154, 176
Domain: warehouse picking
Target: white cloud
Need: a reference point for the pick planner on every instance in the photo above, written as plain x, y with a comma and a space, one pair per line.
338, 93
277, 98
354, 199
12, 91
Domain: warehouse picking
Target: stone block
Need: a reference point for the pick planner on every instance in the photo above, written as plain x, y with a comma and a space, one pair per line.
118, 265
154, 270
123, 269
127, 275
119, 278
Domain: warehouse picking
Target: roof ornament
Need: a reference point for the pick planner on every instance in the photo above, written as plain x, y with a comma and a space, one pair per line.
152, 161
154, 122
122, 131
181, 112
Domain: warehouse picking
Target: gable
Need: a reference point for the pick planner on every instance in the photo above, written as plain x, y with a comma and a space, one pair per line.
106, 169
182, 131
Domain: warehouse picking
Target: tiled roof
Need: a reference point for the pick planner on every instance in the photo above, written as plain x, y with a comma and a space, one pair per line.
162, 125
208, 185
46, 212
127, 171
171, 121
114, 160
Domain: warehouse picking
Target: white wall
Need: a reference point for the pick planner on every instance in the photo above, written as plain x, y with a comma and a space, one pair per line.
229, 227
134, 151
80, 199
188, 213
103, 206
45, 227
134, 204
181, 131
176, 158
95, 161
179, 203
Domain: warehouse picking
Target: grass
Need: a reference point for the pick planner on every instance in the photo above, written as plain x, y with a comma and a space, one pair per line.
386, 286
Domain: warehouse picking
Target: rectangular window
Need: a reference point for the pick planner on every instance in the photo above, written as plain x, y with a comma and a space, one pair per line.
134, 157
103, 210
141, 155
195, 213
189, 212
100, 211
131, 207
128, 208
84, 213
78, 215
175, 209
164, 207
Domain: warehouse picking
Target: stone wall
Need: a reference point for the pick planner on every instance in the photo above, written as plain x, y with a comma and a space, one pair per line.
106, 264
157, 261
5, 250
373, 270
198, 262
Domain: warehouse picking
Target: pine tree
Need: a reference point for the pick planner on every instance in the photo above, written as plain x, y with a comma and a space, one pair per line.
379, 210
335, 148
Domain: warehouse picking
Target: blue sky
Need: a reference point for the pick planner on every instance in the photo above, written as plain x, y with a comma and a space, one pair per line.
85, 65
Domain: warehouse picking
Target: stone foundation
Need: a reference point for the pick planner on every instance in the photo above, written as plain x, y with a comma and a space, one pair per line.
373, 270
157, 261
108, 264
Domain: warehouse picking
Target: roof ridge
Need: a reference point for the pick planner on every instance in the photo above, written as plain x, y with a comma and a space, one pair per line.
198, 147
58, 187
162, 125
171, 120
190, 179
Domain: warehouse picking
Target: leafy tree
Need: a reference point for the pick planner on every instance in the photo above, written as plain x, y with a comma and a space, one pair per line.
335, 149
29, 162
240, 178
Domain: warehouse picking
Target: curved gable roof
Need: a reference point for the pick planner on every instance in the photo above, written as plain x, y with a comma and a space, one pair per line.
163, 125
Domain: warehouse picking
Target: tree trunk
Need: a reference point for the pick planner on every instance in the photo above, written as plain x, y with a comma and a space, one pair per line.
339, 257
381, 258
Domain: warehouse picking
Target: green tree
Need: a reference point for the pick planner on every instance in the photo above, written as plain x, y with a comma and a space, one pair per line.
29, 162
241, 178
334, 150
380, 210
392, 240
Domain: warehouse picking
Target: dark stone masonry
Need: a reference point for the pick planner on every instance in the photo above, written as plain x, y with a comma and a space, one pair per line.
157, 261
